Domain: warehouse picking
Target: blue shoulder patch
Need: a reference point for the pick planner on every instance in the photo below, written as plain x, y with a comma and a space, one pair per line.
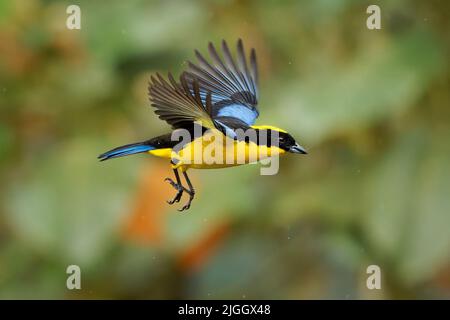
240, 112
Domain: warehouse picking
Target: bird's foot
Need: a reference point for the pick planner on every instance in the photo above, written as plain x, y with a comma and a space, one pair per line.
188, 204
179, 189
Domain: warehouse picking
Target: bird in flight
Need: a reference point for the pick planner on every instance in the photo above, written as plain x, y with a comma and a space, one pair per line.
212, 105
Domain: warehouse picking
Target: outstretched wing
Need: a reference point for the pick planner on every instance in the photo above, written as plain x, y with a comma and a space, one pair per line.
180, 103
233, 86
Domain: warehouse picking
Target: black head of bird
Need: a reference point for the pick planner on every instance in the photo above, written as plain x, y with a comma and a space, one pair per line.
218, 98
288, 143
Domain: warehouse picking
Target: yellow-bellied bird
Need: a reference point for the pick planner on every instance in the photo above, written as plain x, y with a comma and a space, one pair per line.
213, 103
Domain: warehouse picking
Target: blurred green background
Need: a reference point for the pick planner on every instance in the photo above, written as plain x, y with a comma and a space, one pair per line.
371, 107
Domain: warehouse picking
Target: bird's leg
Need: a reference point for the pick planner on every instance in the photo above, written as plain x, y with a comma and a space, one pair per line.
191, 192
176, 185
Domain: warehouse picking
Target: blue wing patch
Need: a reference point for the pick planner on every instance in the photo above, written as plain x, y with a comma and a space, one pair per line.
240, 112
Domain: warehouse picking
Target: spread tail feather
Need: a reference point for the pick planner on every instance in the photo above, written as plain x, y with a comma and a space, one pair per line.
126, 150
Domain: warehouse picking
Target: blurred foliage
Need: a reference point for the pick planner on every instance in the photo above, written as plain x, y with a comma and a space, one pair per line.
372, 108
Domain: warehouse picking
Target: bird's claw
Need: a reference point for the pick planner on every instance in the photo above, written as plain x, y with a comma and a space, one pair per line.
177, 197
185, 207
188, 204
180, 189
177, 187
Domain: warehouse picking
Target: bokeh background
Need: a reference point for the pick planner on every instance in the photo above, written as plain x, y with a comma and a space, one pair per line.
371, 107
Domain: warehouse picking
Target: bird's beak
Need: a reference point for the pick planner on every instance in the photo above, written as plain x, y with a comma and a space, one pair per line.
297, 149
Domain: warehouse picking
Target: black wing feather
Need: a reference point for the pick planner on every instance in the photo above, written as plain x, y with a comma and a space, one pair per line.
232, 84
177, 104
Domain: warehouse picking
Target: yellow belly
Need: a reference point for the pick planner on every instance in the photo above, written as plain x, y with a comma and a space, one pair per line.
214, 150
